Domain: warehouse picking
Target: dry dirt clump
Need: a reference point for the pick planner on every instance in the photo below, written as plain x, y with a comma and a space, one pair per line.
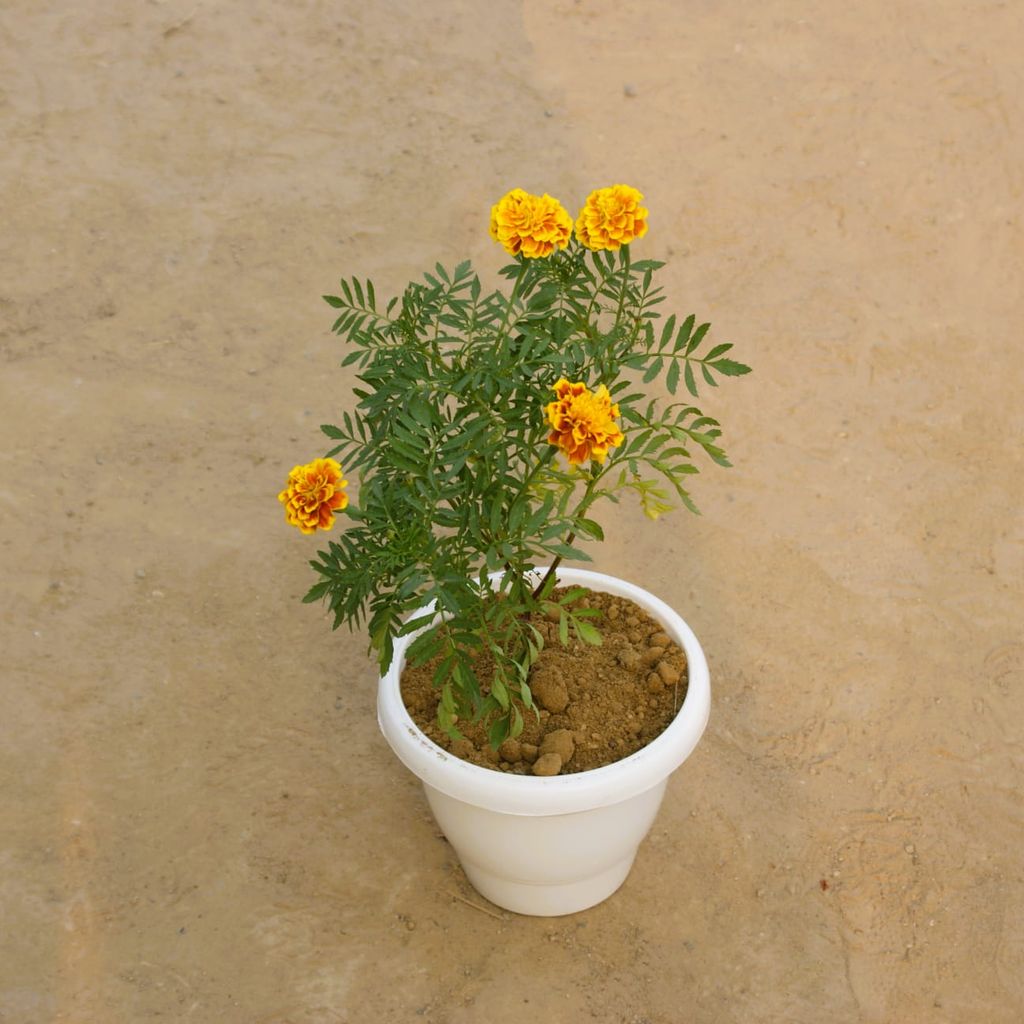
596, 705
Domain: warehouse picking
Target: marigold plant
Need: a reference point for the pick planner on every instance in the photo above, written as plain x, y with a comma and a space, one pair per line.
486, 426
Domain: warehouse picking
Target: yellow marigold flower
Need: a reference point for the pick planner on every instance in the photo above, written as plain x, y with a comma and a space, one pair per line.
530, 225
313, 494
582, 422
612, 217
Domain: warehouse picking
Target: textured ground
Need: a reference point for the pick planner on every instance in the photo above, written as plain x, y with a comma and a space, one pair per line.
198, 818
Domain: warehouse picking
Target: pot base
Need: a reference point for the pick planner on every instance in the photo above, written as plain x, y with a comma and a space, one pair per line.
548, 900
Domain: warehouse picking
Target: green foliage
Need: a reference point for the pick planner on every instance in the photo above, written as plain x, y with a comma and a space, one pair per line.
460, 494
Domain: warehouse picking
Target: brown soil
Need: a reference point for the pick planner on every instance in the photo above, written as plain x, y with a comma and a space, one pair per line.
595, 704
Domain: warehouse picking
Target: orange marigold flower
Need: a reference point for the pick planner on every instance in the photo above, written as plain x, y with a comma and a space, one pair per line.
582, 422
313, 494
530, 225
612, 217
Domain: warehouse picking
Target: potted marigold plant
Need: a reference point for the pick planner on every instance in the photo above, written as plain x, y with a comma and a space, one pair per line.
487, 426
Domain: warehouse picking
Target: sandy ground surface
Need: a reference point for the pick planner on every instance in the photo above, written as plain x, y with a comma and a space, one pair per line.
198, 818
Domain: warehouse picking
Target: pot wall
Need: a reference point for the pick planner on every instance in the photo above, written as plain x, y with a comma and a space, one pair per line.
551, 864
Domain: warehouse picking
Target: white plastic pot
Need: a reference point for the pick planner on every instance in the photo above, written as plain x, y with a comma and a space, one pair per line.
549, 846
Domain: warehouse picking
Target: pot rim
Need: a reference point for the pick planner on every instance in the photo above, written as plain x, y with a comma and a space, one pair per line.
559, 794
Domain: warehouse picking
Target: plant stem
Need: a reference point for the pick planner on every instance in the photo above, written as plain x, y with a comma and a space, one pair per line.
572, 535
606, 369
551, 569
511, 300
625, 283
597, 293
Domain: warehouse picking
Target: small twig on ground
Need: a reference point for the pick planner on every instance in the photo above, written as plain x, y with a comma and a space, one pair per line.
475, 906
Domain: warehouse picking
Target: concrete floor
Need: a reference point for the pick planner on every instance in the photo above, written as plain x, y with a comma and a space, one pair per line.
199, 820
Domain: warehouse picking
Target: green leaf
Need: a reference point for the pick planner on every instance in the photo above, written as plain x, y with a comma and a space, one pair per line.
684, 332
500, 692
443, 670
415, 624
498, 731
672, 380
526, 696
698, 337
666, 333
566, 551
691, 384
421, 410
729, 368
587, 633
446, 720
653, 370
316, 592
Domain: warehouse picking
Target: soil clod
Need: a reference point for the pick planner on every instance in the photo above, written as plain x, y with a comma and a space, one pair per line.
669, 674
547, 764
560, 742
628, 657
652, 656
549, 691
511, 750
